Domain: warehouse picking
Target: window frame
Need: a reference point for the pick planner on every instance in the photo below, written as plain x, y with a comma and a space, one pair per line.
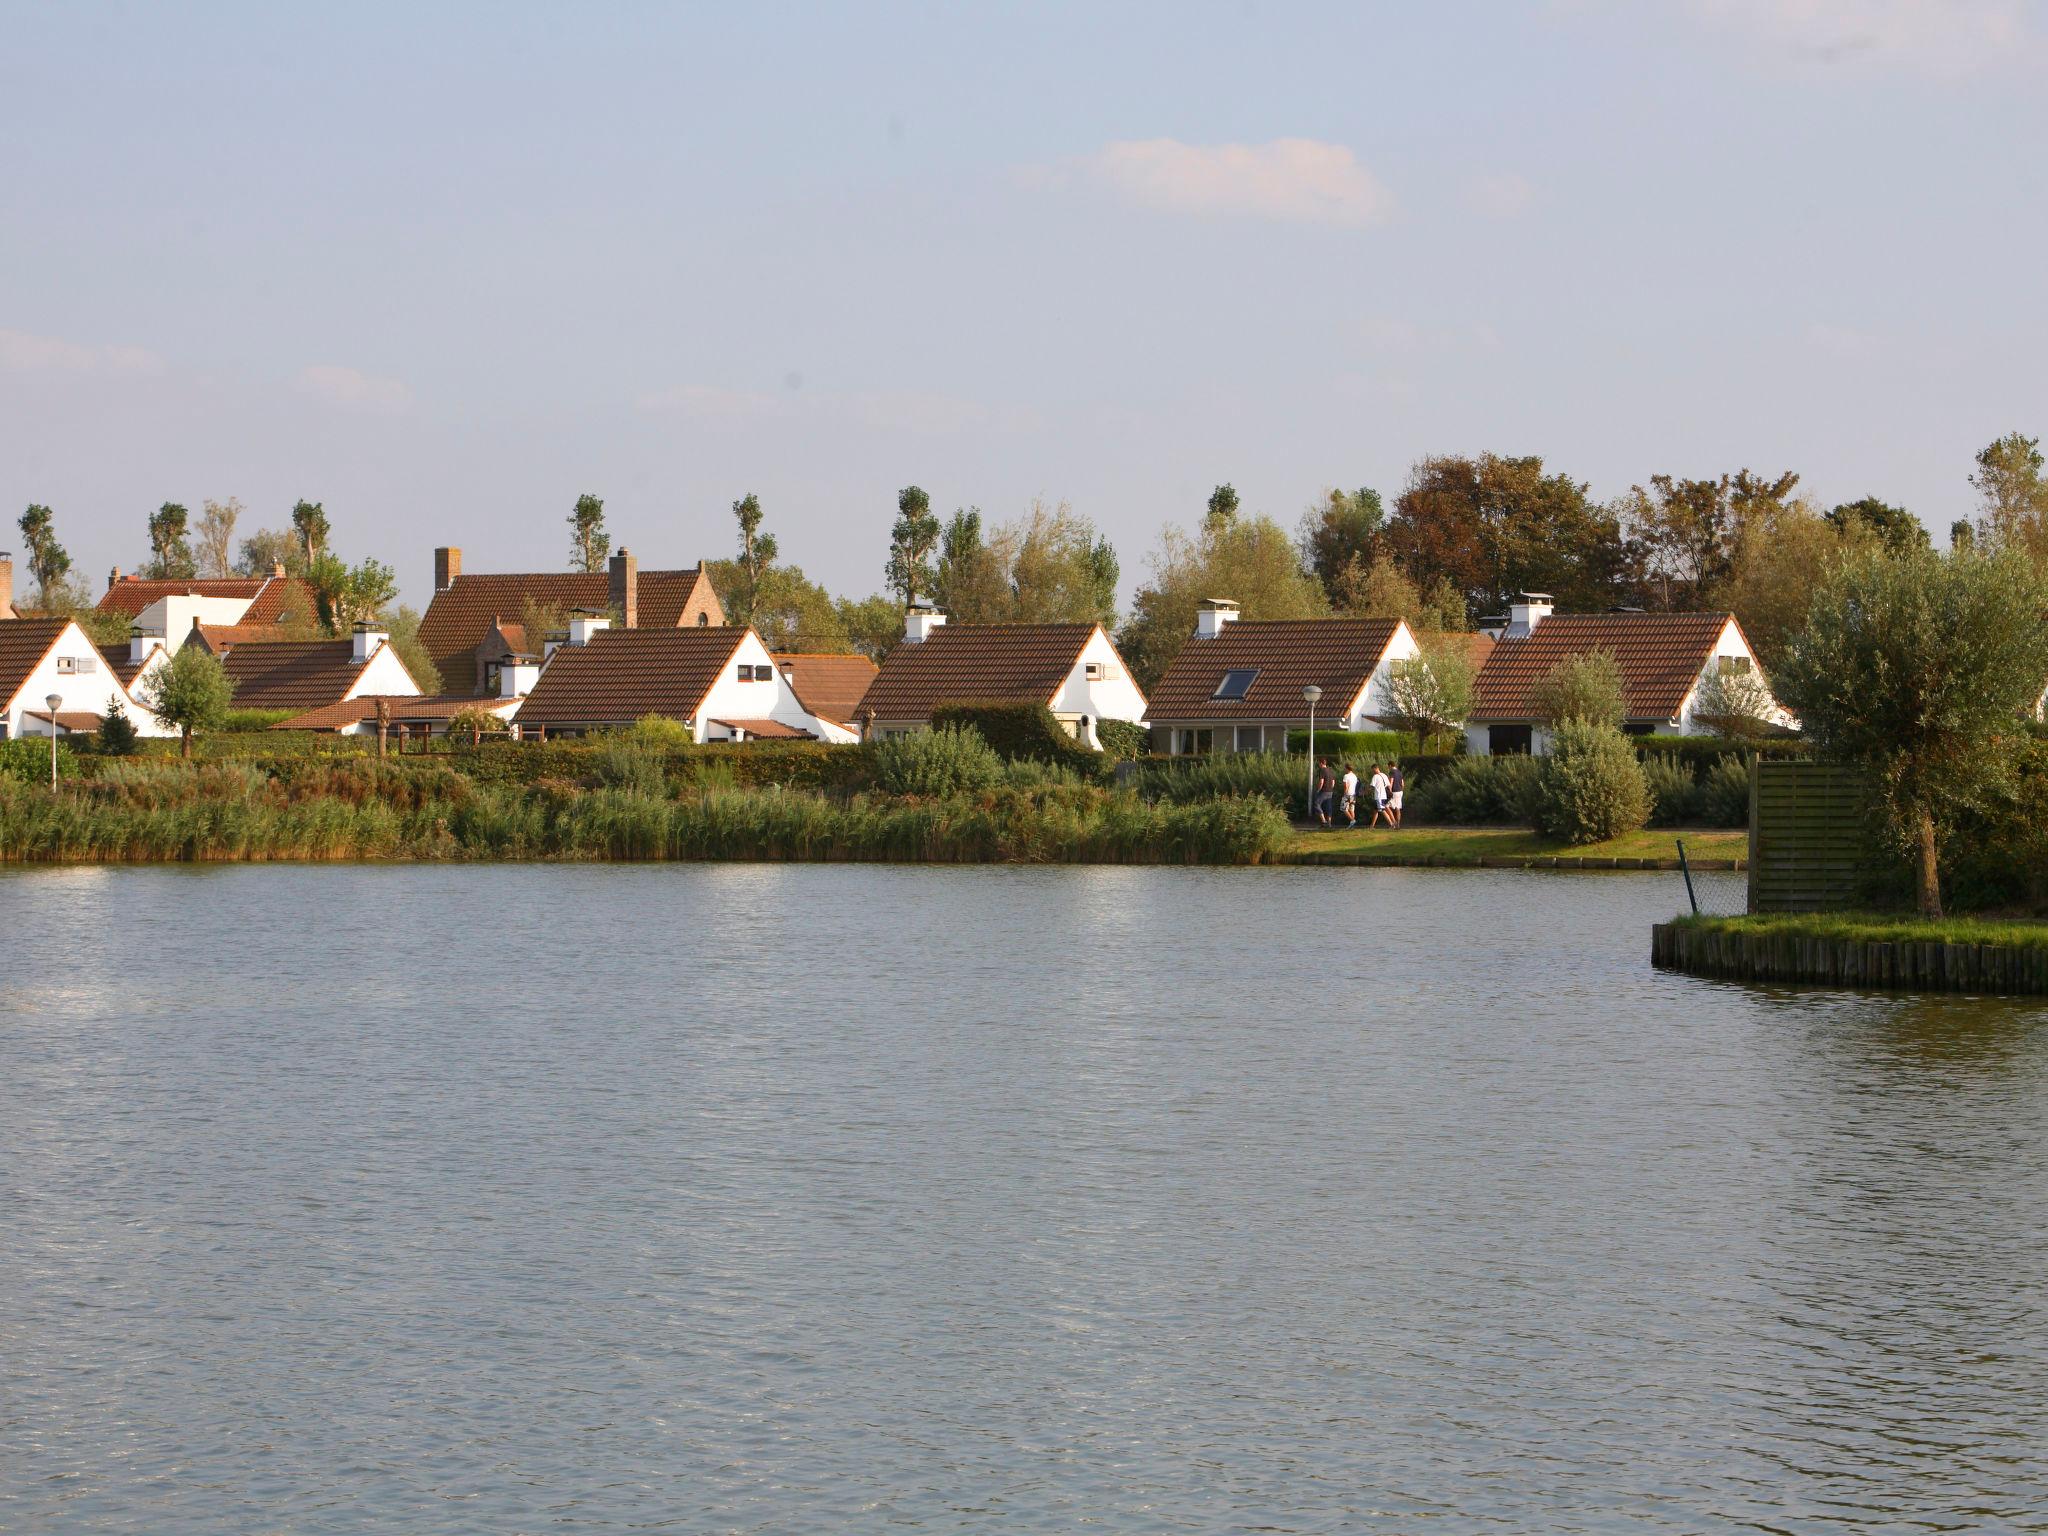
1251, 678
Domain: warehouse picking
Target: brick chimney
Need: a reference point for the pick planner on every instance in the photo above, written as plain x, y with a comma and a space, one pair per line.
447, 566
6, 584
277, 570
113, 578
625, 595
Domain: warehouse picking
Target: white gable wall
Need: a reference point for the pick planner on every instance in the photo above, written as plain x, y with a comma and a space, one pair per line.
76, 670
1730, 643
384, 673
173, 616
1376, 698
761, 698
1111, 696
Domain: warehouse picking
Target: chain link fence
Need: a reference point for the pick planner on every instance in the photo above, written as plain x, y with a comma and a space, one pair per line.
1711, 892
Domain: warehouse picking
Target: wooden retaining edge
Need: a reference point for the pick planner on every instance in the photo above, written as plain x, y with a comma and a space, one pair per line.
1339, 858
1920, 966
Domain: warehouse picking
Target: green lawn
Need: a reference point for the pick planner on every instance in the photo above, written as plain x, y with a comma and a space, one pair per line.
1518, 842
1883, 928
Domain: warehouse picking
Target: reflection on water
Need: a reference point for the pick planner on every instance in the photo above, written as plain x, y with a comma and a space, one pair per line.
761, 1198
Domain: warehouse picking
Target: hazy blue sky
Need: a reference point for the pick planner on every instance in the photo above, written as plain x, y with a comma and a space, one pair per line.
444, 267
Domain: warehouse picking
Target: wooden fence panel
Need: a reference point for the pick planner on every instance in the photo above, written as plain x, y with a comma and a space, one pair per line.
1809, 842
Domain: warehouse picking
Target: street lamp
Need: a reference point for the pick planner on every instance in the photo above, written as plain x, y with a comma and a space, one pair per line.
1311, 693
53, 700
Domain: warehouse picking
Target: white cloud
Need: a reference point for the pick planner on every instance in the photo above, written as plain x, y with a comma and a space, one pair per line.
22, 353
1501, 197
1296, 181
1944, 37
352, 388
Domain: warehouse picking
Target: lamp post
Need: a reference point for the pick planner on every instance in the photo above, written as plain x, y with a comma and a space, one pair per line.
1312, 693
53, 700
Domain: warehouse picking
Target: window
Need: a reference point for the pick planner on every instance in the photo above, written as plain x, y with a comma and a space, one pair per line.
1733, 666
1195, 743
87, 664
1236, 683
1099, 672
66, 665
749, 673
1251, 738
703, 619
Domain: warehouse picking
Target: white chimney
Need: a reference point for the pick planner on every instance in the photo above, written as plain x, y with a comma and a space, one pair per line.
583, 625
1523, 617
1215, 612
141, 643
368, 637
919, 620
516, 677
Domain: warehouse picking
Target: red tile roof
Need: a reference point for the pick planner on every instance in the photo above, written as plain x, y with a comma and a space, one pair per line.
405, 709
619, 675
771, 729
968, 663
1661, 656
286, 674
23, 645
1337, 655
272, 599
828, 685
462, 613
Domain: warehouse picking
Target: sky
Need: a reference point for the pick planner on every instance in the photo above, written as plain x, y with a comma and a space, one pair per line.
445, 267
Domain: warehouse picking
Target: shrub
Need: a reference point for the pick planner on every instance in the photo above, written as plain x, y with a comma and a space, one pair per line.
1700, 753
117, 732
628, 766
1122, 739
1674, 793
1585, 687
26, 760
1590, 788
1476, 792
1356, 745
942, 761
1724, 794
254, 719
1016, 730
659, 732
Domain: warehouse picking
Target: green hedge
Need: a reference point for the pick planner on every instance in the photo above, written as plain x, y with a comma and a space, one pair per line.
1018, 731
26, 760
1701, 753
1373, 746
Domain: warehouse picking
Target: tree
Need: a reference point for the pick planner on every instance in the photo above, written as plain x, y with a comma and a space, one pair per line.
1382, 590
47, 559
216, 536
589, 545
1589, 787
1586, 688
267, 549
787, 609
1919, 667
347, 595
968, 580
1736, 705
1252, 561
1342, 532
1898, 528
1222, 506
1055, 568
309, 522
117, 732
911, 542
2014, 497
1432, 691
404, 627
1689, 530
191, 692
170, 550
872, 625
1779, 555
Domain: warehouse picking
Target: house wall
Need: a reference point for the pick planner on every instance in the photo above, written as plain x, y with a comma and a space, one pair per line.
385, 673
173, 616
1731, 643
91, 687
731, 699
1375, 698
1113, 696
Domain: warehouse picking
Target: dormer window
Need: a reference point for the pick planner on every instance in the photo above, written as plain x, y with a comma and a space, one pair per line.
1236, 683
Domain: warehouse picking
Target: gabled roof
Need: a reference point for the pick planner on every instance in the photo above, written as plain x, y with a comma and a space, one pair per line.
461, 614
619, 675
767, 730
968, 663
123, 667
272, 599
1337, 655
1661, 656
406, 709
287, 674
827, 684
23, 645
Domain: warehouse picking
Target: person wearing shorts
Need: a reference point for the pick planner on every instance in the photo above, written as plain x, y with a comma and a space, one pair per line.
1381, 786
1394, 791
1350, 796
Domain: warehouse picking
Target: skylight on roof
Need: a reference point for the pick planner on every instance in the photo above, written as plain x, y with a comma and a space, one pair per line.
1236, 683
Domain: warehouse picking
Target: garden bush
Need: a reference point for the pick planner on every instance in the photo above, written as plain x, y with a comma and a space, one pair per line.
1724, 794
1590, 788
942, 761
1475, 792
1365, 746
1015, 730
26, 760
1122, 740
1674, 792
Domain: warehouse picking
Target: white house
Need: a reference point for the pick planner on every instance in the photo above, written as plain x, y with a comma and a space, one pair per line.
1238, 685
1074, 669
41, 657
1664, 659
718, 680
305, 674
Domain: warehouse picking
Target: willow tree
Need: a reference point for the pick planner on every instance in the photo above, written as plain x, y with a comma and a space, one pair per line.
1919, 667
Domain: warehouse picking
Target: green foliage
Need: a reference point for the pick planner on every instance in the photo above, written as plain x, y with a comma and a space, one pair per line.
254, 719
268, 548
1048, 567
1736, 706
623, 764
1700, 753
1476, 792
1249, 560
1431, 692
1356, 745
660, 733
943, 761
1222, 505
871, 625
117, 733
1899, 529
191, 693
1585, 688
309, 522
170, 548
404, 628
589, 545
1590, 788
1122, 739
107, 629
26, 760
1674, 792
911, 542
48, 561
1724, 794
1017, 730
346, 595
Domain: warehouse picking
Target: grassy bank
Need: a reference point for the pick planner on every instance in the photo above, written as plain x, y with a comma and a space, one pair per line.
363, 809
1858, 950
1878, 928
1453, 844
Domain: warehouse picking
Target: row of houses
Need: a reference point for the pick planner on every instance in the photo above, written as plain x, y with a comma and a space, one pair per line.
639, 643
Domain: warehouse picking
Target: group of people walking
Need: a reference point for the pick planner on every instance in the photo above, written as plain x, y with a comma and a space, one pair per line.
1386, 785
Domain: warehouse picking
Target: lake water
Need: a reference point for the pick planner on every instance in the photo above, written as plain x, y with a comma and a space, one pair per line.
748, 1198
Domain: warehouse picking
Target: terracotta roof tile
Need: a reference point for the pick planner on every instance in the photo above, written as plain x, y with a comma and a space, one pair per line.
1661, 656
460, 615
961, 663
23, 645
405, 709
286, 674
771, 729
69, 719
828, 685
623, 674
271, 598
1337, 655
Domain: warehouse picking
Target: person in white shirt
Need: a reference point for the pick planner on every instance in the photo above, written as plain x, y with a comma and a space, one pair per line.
1382, 786
1350, 796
